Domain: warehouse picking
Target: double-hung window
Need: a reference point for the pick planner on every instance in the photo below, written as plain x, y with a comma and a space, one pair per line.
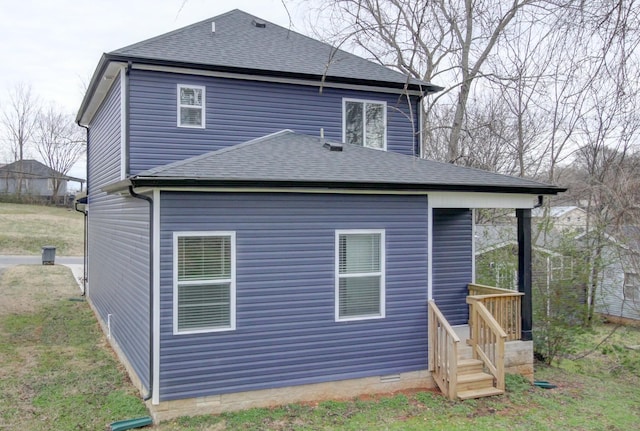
360, 274
365, 123
191, 106
631, 287
204, 282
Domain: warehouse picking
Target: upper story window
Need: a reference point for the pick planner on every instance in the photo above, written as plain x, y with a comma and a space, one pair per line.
204, 282
365, 123
191, 106
360, 274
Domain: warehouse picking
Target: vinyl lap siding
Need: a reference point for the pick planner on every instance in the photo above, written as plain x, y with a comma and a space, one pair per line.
452, 259
237, 111
118, 241
286, 334
610, 296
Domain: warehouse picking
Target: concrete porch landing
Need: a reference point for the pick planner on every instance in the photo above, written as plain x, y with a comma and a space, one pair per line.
518, 354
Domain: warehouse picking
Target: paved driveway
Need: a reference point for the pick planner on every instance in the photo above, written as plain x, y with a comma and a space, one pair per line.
10, 260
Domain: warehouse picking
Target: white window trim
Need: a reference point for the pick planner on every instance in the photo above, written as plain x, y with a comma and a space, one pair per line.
630, 290
382, 274
231, 281
364, 136
203, 107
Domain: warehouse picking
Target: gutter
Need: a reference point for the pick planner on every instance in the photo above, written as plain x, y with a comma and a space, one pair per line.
425, 87
329, 185
133, 194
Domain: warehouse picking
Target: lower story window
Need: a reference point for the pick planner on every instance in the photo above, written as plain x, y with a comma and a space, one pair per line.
631, 287
204, 281
360, 274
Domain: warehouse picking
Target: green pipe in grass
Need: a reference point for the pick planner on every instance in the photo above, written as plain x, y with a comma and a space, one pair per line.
128, 424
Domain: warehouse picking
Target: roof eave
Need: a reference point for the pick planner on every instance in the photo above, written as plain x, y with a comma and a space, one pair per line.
159, 182
102, 79
425, 89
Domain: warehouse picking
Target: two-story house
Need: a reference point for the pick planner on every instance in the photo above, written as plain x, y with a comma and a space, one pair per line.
261, 227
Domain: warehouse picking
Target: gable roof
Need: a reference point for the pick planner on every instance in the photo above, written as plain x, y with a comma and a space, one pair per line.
33, 169
239, 46
289, 159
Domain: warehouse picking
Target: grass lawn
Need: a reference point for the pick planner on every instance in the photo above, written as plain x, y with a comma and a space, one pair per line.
57, 372
24, 229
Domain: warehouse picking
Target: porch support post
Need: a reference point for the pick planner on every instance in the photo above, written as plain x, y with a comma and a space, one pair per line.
524, 270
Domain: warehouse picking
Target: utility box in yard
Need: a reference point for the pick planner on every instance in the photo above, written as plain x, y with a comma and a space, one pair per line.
48, 255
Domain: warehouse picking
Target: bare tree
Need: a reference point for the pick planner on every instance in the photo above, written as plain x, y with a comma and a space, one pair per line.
19, 121
59, 142
450, 43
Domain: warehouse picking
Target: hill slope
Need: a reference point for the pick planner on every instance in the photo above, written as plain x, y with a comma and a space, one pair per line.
24, 229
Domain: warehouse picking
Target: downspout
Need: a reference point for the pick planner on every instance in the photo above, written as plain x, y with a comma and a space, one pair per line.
418, 150
127, 122
540, 201
133, 194
86, 220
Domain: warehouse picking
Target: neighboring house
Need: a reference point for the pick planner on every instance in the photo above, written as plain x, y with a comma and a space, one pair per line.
618, 287
34, 179
496, 253
563, 217
618, 295
261, 228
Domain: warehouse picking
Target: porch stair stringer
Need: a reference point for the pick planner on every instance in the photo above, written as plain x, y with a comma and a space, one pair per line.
459, 371
473, 382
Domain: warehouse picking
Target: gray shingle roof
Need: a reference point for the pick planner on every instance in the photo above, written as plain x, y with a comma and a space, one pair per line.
237, 44
292, 159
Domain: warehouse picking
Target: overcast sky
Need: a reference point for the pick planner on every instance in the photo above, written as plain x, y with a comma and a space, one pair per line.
55, 45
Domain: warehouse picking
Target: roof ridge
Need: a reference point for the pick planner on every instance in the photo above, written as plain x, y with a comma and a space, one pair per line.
176, 31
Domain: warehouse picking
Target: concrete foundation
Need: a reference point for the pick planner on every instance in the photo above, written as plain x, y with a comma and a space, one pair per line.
343, 389
518, 354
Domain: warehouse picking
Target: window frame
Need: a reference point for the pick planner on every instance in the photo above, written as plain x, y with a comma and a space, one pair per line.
381, 273
631, 287
180, 106
364, 122
231, 281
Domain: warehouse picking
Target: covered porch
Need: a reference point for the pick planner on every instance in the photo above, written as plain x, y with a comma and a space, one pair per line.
470, 354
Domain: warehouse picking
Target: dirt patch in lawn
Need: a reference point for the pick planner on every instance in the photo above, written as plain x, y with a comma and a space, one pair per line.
26, 288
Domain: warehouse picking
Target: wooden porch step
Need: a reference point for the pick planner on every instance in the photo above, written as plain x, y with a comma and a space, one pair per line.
469, 366
479, 393
469, 382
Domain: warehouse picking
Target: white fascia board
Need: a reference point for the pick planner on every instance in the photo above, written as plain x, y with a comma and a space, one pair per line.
436, 199
109, 77
480, 200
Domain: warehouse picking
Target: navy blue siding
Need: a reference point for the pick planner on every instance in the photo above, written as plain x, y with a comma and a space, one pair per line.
286, 334
118, 229
452, 260
237, 111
